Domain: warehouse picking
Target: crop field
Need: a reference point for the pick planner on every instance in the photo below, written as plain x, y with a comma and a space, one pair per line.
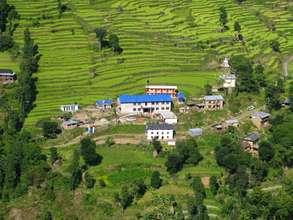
171, 42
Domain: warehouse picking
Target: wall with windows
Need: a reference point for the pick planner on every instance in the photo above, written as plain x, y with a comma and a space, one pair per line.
160, 134
145, 107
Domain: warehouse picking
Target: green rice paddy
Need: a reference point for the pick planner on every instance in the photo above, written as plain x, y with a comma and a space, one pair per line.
160, 41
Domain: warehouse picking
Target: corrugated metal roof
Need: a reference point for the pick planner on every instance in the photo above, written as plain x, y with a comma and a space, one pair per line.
160, 87
252, 137
104, 102
213, 97
260, 115
144, 98
160, 127
195, 132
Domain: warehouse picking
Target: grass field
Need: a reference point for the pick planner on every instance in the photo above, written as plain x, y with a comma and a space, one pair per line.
160, 41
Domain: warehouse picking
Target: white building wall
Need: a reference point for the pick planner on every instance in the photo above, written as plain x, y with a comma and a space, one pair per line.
171, 120
69, 108
160, 134
137, 108
229, 83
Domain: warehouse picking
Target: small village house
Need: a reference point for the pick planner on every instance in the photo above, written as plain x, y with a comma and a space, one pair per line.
250, 143
181, 99
90, 129
69, 108
260, 119
162, 132
225, 63
168, 117
213, 102
229, 81
70, 124
233, 122
7, 76
195, 132
104, 104
161, 89
139, 104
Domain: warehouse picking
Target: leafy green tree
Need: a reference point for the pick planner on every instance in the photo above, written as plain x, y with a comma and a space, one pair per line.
125, 198
114, 41
89, 180
88, 152
280, 86
275, 45
157, 146
198, 187
156, 180
223, 16
12, 19
101, 34
6, 42
260, 77
138, 188
75, 170
54, 154
50, 129
272, 97
290, 97
237, 27
214, 185
208, 89
266, 151
174, 163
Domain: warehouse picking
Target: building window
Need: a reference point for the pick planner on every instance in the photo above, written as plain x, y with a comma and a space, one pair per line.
134, 109
163, 108
157, 132
153, 103
157, 108
167, 108
138, 109
152, 132
145, 103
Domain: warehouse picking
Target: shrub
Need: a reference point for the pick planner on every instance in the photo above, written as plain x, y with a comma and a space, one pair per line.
156, 180
50, 129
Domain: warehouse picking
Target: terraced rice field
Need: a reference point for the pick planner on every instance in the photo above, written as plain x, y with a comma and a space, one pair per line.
160, 41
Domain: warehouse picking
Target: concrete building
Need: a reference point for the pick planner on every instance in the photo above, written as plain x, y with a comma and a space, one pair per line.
250, 143
232, 122
70, 124
139, 104
213, 102
229, 81
161, 89
260, 119
104, 104
162, 132
168, 117
7, 76
69, 108
225, 63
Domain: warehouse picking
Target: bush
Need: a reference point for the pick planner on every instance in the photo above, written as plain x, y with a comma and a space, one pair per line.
89, 181
50, 129
174, 163
156, 181
6, 42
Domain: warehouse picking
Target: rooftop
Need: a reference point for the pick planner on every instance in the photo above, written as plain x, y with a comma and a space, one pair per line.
160, 87
6, 72
160, 127
195, 131
104, 102
213, 97
252, 137
232, 121
144, 98
70, 122
261, 115
180, 95
168, 115
228, 77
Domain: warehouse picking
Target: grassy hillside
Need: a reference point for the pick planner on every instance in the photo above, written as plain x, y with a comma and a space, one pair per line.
164, 41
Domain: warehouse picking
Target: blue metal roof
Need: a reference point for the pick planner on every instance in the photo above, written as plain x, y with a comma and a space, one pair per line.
145, 98
181, 96
104, 102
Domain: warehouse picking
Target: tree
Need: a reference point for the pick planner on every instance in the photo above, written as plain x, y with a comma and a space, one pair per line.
138, 188
8, 16
174, 163
156, 180
88, 152
47, 216
280, 87
290, 97
260, 77
198, 187
208, 89
75, 170
223, 17
114, 42
50, 129
125, 198
275, 45
237, 27
101, 33
272, 97
89, 180
157, 146
54, 154
12, 18
266, 151
6, 42
214, 185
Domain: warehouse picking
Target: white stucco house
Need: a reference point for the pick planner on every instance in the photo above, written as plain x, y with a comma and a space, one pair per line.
69, 108
168, 117
229, 81
161, 132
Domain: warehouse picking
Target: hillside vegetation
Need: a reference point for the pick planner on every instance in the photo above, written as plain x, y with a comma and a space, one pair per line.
163, 41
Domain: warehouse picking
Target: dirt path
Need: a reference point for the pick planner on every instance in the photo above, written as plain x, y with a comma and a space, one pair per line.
285, 65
